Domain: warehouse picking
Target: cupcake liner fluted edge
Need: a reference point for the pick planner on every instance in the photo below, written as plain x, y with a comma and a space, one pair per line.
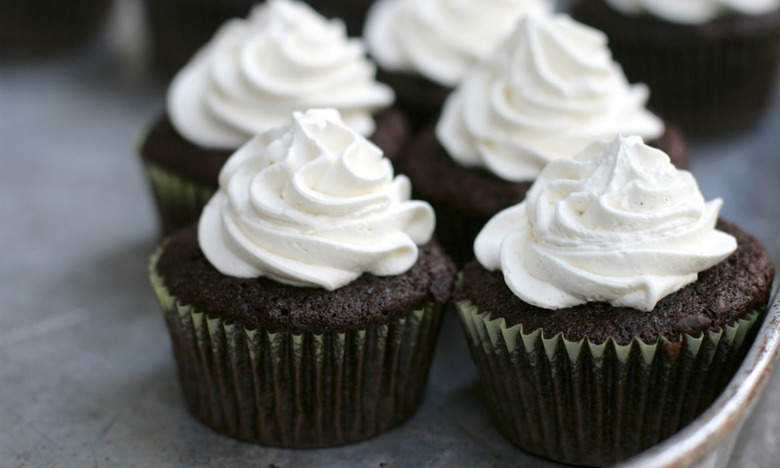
179, 199
299, 390
585, 403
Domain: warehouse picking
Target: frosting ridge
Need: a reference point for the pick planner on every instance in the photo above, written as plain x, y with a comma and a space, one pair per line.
255, 72
549, 90
618, 223
312, 203
441, 39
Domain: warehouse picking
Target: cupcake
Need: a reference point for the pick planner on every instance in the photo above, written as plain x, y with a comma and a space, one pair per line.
251, 77
711, 63
304, 307
49, 24
608, 309
424, 48
548, 91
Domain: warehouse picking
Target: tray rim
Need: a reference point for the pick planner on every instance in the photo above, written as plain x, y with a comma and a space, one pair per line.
726, 415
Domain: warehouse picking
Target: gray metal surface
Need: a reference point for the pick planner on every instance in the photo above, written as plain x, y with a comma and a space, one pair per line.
87, 378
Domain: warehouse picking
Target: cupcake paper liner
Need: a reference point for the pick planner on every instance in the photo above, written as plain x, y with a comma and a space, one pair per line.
584, 403
706, 78
179, 199
299, 390
704, 88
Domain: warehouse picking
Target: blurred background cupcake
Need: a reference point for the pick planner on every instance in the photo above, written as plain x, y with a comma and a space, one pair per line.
550, 89
43, 25
180, 27
423, 48
609, 308
312, 286
250, 77
711, 63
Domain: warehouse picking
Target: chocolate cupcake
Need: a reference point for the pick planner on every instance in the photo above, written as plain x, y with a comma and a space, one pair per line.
606, 311
46, 25
302, 311
251, 77
550, 89
712, 64
424, 48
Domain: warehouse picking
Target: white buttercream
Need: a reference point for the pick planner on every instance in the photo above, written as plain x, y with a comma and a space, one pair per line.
441, 39
693, 11
618, 223
548, 91
312, 203
254, 73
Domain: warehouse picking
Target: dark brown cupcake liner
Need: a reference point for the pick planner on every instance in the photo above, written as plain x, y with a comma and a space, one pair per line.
707, 88
179, 199
299, 390
707, 79
594, 404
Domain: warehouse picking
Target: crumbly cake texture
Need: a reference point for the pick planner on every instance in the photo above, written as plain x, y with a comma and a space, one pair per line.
295, 367
466, 198
264, 303
713, 77
722, 294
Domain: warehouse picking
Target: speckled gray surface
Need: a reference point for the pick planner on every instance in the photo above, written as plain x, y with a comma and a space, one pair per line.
87, 378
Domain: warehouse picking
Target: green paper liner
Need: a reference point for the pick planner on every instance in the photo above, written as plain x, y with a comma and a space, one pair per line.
179, 199
299, 390
583, 403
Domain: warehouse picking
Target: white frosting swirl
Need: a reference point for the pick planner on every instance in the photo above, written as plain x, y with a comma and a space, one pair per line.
693, 11
618, 223
548, 91
441, 39
312, 203
254, 73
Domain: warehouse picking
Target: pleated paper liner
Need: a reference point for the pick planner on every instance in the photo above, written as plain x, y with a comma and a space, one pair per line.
299, 390
706, 88
179, 199
706, 78
596, 404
